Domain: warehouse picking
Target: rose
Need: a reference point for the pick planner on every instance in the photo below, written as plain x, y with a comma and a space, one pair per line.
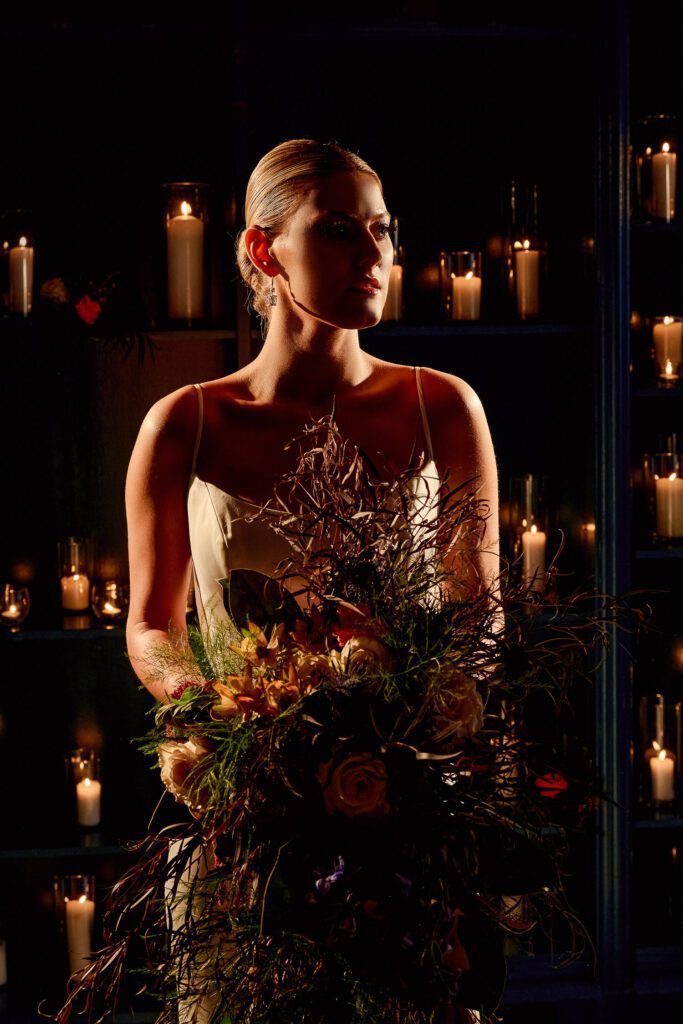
462, 709
354, 620
362, 653
88, 310
356, 786
179, 763
310, 667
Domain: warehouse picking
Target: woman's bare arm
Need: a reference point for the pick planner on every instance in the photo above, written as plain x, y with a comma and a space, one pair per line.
158, 535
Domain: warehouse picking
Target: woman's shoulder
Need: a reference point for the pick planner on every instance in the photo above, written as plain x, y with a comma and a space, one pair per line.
447, 394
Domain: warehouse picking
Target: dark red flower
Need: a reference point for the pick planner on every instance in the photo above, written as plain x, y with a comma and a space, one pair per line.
88, 310
551, 784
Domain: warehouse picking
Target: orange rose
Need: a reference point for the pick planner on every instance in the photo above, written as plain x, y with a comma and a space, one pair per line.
462, 709
356, 786
365, 652
179, 764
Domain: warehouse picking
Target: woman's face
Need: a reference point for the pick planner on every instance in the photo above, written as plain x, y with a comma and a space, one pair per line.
337, 239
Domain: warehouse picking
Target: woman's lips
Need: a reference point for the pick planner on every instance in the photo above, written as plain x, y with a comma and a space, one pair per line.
367, 289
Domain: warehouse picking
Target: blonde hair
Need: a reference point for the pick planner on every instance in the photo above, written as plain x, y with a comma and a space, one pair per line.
277, 187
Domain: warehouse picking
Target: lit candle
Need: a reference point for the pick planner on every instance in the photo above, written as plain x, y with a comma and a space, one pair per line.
533, 556
669, 505
12, 613
185, 245
393, 307
668, 341
88, 794
466, 297
75, 592
662, 771
21, 277
80, 915
664, 183
527, 278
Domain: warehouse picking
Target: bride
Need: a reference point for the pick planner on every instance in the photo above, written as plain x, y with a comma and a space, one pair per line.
316, 255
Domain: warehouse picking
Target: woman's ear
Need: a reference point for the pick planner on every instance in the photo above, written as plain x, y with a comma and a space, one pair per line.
256, 242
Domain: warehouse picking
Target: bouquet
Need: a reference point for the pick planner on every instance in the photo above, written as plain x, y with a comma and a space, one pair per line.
364, 819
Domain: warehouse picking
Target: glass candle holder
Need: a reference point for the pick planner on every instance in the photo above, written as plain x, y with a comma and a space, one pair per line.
74, 897
20, 268
14, 606
528, 526
460, 275
667, 349
660, 740
85, 788
110, 600
393, 306
186, 219
75, 558
524, 250
663, 481
655, 169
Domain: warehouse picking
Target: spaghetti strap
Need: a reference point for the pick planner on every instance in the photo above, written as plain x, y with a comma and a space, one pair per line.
423, 410
200, 423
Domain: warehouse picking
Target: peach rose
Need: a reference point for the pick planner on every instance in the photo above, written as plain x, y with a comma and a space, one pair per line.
178, 762
462, 708
365, 652
356, 786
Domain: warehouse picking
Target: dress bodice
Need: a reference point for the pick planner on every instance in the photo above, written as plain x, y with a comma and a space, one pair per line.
223, 538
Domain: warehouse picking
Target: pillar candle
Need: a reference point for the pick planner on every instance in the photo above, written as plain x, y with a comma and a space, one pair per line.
668, 342
669, 505
466, 297
662, 771
664, 183
527, 280
533, 556
21, 277
75, 592
185, 257
88, 794
393, 307
80, 914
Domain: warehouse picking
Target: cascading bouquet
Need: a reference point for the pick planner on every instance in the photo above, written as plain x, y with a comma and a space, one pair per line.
365, 814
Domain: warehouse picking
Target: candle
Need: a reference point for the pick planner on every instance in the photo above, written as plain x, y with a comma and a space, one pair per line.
393, 307
21, 277
527, 279
466, 296
75, 592
80, 914
12, 613
668, 341
662, 771
533, 556
185, 245
664, 183
669, 505
88, 794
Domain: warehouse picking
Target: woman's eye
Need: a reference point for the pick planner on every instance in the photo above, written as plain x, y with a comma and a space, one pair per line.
339, 228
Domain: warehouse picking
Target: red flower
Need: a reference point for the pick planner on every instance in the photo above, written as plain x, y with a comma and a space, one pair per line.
88, 310
551, 784
356, 622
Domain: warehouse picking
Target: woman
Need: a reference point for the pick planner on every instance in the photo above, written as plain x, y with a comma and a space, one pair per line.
316, 255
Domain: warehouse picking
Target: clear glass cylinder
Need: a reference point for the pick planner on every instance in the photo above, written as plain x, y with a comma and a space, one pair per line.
655, 166
661, 741
663, 480
76, 562
393, 306
528, 525
74, 898
15, 605
667, 349
461, 282
524, 251
185, 224
110, 600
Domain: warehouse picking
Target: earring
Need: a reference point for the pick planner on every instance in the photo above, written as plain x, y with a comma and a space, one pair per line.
272, 297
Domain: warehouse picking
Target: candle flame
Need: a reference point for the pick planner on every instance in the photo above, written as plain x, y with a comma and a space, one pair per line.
82, 899
662, 755
527, 243
469, 275
13, 609
5, 245
534, 528
665, 147
185, 209
669, 368
23, 241
672, 476
668, 319
86, 782
648, 151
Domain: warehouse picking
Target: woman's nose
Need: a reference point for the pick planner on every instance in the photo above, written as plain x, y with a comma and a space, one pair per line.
372, 253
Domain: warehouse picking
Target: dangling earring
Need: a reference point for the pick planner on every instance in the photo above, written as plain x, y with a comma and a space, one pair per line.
272, 297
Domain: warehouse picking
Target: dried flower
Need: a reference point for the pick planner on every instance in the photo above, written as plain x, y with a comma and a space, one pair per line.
56, 290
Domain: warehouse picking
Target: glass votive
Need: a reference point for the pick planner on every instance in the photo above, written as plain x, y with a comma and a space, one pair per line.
20, 270
661, 740
14, 606
527, 522
461, 284
186, 220
75, 558
655, 166
83, 778
526, 272
74, 897
393, 306
110, 600
663, 479
667, 338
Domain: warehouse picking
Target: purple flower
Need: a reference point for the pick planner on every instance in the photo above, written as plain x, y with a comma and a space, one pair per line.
325, 883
